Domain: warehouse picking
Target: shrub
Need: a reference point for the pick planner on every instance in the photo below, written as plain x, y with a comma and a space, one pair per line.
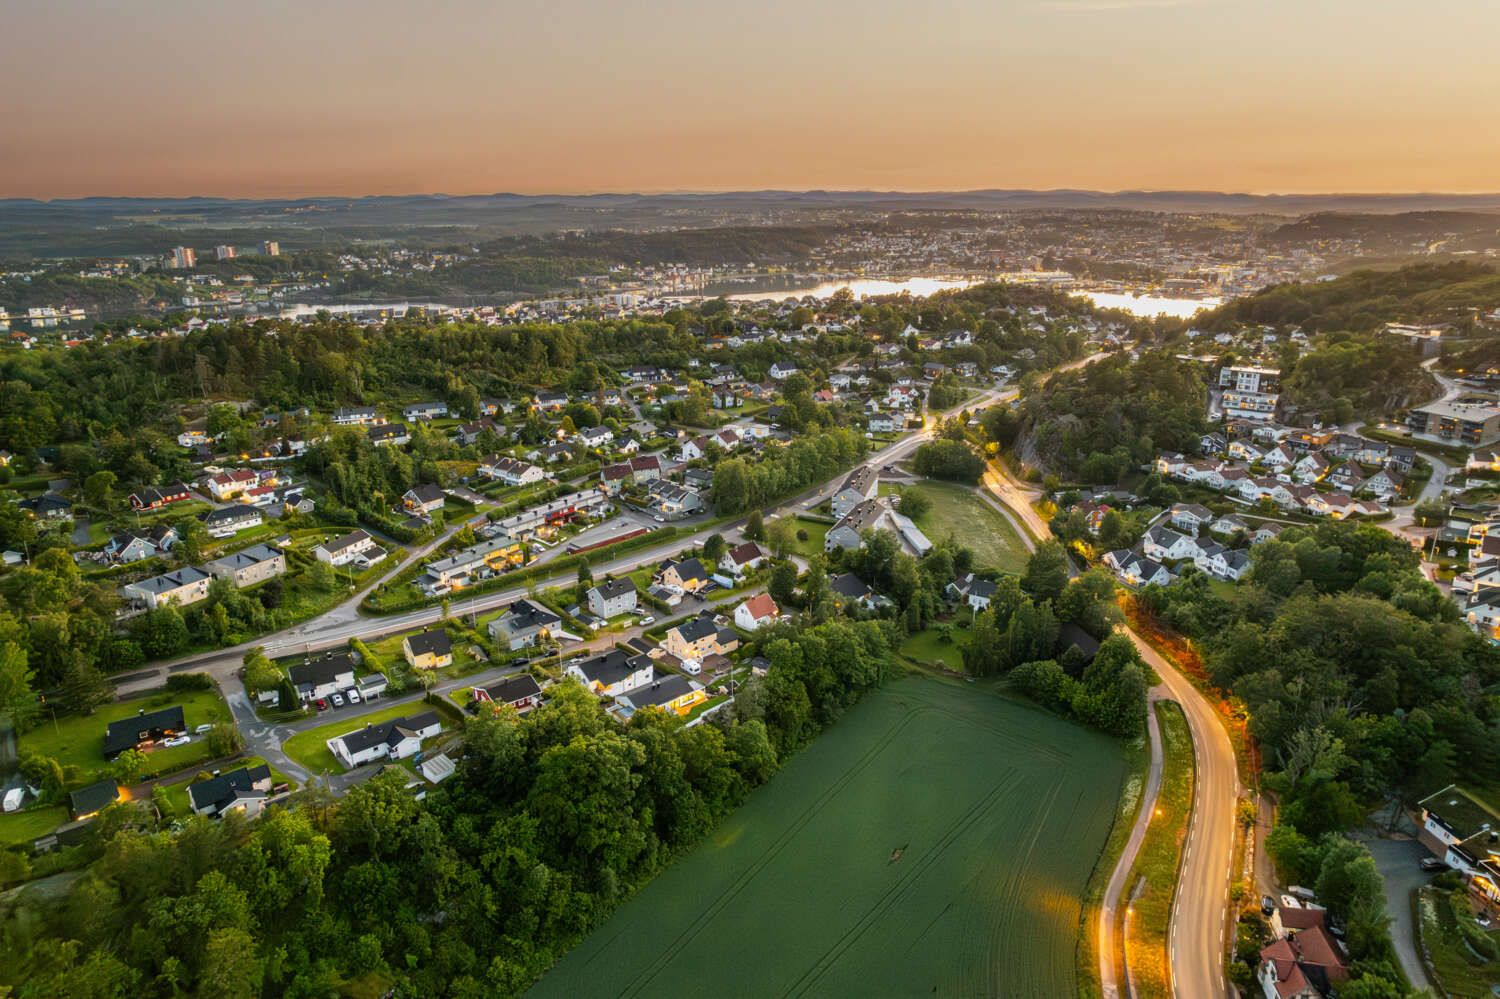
179, 683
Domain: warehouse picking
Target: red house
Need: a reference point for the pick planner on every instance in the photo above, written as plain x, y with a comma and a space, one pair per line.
155, 499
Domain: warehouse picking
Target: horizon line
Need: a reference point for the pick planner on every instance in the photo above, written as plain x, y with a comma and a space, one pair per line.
731, 192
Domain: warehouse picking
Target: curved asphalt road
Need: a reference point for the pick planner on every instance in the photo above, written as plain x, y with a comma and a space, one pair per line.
1197, 938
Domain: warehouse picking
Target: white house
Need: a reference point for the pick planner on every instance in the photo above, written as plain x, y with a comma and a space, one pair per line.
612, 598
1162, 543
392, 740
346, 549
757, 612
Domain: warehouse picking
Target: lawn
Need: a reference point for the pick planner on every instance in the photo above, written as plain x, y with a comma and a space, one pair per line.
927, 647
816, 531
935, 841
25, 826
1157, 862
960, 513
310, 749
79, 740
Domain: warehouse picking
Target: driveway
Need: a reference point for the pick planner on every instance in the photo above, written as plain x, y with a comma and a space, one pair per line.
1397, 860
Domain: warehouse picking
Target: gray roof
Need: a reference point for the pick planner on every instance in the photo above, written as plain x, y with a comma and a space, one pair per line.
254, 555
664, 687
388, 732
611, 588
612, 667
320, 671
125, 733
513, 688
435, 642
697, 628
169, 581
88, 800
225, 788
230, 514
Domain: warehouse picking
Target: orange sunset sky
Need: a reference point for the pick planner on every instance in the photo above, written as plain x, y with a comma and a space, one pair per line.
283, 98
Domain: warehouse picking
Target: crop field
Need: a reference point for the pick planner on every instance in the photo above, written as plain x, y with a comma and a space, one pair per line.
936, 841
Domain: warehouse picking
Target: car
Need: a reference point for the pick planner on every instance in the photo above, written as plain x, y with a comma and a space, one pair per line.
338, 701
203, 728
1290, 902
177, 740
693, 666
353, 695
659, 519
1433, 864
648, 619
321, 704
1267, 905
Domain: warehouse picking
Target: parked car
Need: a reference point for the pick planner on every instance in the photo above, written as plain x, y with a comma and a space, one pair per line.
1433, 864
338, 701
177, 740
1267, 905
519, 661
203, 728
693, 666
647, 620
353, 695
1288, 902
322, 705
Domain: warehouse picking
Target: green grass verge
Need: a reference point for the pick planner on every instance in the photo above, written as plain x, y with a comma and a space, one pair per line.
1160, 857
1137, 757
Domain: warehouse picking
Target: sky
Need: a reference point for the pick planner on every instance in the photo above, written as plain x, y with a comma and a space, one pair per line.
289, 98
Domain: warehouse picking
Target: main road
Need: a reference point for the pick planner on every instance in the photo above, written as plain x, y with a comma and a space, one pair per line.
1200, 912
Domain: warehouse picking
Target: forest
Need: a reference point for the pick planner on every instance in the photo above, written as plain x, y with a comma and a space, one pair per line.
1363, 688
1363, 301
1095, 423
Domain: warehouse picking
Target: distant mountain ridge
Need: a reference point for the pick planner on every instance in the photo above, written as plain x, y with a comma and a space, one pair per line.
995, 198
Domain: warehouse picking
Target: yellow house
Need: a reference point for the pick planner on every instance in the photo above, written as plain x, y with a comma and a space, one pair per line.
428, 649
697, 638
667, 691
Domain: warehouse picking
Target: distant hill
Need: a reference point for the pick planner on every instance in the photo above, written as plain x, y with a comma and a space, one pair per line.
1365, 300
115, 226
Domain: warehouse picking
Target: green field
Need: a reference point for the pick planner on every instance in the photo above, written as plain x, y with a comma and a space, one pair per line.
936, 841
960, 513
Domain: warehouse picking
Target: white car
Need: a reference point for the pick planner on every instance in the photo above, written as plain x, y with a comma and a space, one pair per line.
648, 619
353, 696
338, 700
203, 728
178, 740
693, 666
1288, 902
